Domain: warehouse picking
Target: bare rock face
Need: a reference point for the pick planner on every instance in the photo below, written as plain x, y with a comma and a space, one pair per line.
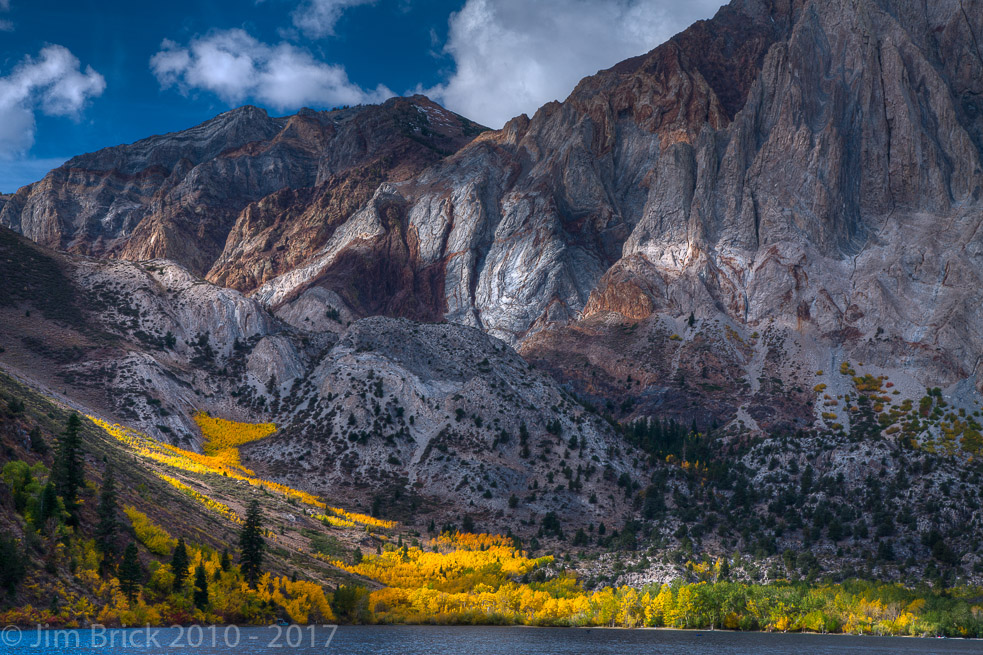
275, 184
809, 166
375, 145
800, 169
442, 415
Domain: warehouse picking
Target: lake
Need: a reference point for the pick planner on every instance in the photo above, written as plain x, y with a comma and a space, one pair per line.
430, 640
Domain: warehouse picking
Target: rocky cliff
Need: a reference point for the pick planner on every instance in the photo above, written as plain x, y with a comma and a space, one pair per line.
766, 229
810, 170
277, 185
816, 171
442, 416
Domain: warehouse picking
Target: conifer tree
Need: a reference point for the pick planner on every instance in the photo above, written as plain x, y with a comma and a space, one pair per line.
12, 567
179, 564
201, 588
226, 561
107, 530
251, 545
130, 573
38, 444
46, 506
68, 472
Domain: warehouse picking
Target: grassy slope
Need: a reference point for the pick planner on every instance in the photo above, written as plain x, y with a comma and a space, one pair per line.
290, 550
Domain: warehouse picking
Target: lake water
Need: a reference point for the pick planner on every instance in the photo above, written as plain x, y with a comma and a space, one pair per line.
429, 640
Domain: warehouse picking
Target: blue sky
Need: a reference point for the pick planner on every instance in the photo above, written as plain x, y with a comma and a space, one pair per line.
79, 75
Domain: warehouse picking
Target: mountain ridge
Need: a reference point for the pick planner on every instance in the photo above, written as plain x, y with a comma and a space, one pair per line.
753, 252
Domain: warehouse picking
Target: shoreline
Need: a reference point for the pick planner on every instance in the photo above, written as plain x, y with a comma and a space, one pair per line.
242, 626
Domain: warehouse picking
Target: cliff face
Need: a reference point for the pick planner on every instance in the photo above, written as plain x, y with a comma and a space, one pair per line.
808, 166
768, 224
244, 173
436, 413
806, 170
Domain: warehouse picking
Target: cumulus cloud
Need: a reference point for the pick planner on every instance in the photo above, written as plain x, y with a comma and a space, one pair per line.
235, 66
53, 84
317, 18
512, 56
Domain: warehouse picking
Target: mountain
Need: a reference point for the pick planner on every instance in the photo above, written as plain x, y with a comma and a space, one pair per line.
725, 296
435, 413
815, 175
244, 173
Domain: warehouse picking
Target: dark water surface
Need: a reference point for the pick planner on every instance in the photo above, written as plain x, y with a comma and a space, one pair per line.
429, 640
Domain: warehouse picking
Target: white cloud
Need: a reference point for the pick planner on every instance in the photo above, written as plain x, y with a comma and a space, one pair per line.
235, 66
512, 56
317, 18
4, 5
53, 84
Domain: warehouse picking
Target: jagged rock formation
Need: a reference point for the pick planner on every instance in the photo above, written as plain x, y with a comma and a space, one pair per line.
768, 226
440, 414
817, 170
805, 170
278, 185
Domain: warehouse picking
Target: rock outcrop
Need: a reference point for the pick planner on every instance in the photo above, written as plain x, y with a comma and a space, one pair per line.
811, 166
438, 414
809, 170
279, 185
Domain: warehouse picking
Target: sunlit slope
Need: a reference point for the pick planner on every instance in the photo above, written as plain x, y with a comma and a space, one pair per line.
222, 440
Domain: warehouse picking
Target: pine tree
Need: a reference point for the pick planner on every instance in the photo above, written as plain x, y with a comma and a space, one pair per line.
46, 506
38, 444
179, 564
251, 545
12, 566
201, 588
130, 573
107, 530
68, 472
226, 561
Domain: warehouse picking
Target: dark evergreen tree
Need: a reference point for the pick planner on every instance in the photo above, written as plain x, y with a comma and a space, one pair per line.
226, 561
11, 564
38, 444
130, 573
107, 531
201, 588
68, 473
47, 506
252, 545
179, 564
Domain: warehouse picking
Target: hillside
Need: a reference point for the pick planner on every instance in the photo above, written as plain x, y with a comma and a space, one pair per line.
721, 304
458, 423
